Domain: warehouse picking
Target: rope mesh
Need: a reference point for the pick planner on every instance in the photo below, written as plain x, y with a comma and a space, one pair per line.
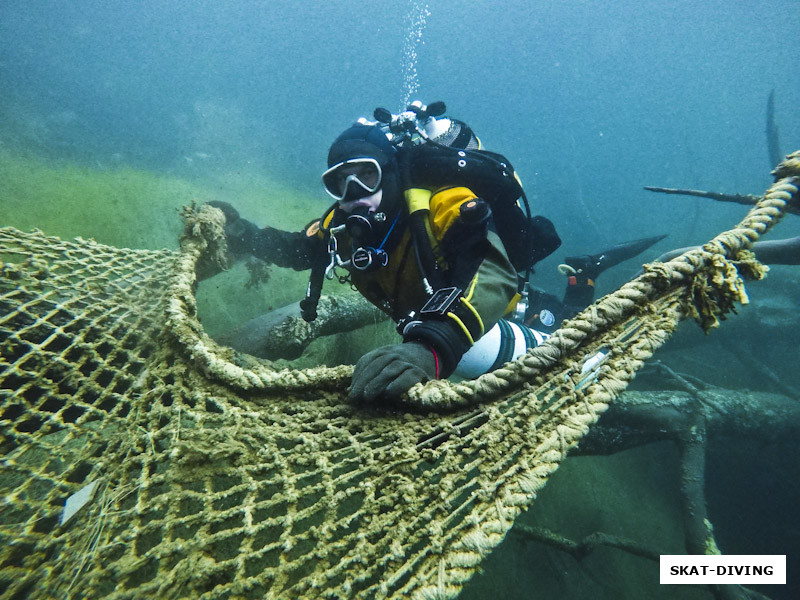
218, 476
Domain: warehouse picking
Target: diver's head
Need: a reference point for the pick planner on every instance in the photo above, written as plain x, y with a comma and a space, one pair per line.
361, 166
362, 177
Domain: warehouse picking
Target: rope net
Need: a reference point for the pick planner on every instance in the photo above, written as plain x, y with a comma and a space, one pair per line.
211, 474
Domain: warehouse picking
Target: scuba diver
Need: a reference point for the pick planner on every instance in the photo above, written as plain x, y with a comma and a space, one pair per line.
430, 228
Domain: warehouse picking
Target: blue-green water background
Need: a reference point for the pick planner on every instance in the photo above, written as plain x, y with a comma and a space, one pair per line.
113, 114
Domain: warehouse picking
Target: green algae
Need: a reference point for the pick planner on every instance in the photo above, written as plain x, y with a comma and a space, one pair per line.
136, 208
125, 206
128, 207
121, 206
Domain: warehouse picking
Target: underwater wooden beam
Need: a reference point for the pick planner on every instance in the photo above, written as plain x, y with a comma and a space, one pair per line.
653, 416
283, 334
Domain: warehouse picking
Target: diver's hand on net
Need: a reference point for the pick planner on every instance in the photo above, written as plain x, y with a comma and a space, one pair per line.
240, 233
231, 214
390, 371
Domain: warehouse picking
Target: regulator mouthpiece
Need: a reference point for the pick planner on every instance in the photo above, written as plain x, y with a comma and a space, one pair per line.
359, 223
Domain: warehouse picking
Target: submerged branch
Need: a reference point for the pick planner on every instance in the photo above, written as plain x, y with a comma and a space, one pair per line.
580, 550
746, 199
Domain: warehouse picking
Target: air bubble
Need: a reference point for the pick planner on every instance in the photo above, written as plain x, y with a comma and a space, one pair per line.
415, 26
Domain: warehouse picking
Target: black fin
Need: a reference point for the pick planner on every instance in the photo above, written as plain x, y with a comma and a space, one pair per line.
591, 265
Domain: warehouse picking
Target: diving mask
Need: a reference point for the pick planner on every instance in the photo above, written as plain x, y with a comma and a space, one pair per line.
353, 179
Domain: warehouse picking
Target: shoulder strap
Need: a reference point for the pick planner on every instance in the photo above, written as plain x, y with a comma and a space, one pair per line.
418, 201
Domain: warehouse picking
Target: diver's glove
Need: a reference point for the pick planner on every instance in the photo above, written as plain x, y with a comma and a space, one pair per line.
231, 214
240, 233
388, 372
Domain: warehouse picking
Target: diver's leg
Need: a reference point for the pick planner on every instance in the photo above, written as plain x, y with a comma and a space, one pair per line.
578, 295
544, 313
582, 271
